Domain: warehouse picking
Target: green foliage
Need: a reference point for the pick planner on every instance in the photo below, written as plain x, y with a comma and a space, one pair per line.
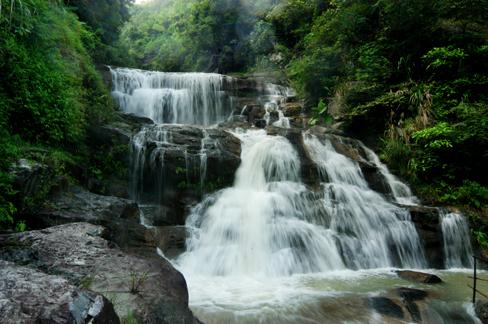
470, 194
7, 208
200, 35
481, 238
320, 114
20, 227
50, 93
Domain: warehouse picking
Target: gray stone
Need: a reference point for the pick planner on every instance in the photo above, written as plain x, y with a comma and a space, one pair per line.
120, 216
78, 253
30, 296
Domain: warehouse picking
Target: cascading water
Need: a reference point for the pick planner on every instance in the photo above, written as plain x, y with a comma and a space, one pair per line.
176, 98
269, 223
456, 239
270, 248
401, 192
372, 232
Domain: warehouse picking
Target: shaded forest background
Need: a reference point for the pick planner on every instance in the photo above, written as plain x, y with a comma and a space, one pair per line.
410, 78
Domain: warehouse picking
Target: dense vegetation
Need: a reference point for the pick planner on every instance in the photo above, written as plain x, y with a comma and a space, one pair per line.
199, 35
50, 90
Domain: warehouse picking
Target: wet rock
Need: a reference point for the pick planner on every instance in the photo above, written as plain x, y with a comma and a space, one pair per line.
291, 109
113, 140
420, 277
176, 172
481, 309
260, 123
30, 296
170, 239
138, 280
308, 169
426, 221
253, 112
409, 297
411, 294
120, 216
386, 307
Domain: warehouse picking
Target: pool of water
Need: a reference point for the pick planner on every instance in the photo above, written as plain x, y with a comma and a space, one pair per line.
332, 297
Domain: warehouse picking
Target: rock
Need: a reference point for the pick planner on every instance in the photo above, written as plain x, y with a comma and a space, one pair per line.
409, 297
253, 112
30, 296
113, 140
308, 169
426, 221
176, 172
411, 294
387, 307
260, 123
481, 309
138, 281
120, 216
170, 239
420, 277
291, 109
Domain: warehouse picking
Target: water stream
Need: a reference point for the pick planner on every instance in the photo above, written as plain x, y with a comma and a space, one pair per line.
271, 249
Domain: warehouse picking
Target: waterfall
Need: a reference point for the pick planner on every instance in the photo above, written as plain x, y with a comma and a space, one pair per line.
270, 224
456, 240
176, 98
401, 192
372, 232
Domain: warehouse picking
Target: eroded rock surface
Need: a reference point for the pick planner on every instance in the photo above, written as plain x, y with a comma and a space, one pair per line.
139, 281
30, 296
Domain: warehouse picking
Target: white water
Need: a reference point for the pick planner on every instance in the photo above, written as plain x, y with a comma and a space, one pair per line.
270, 224
456, 239
372, 232
401, 192
177, 98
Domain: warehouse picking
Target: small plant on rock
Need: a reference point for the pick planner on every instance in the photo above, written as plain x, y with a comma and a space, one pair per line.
137, 280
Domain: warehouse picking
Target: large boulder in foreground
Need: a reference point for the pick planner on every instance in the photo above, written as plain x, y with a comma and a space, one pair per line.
138, 282
30, 296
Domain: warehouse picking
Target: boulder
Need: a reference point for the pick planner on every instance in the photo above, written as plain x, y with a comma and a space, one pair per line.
387, 307
176, 171
137, 281
30, 296
170, 240
253, 112
292, 109
409, 298
120, 216
426, 221
260, 123
420, 277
